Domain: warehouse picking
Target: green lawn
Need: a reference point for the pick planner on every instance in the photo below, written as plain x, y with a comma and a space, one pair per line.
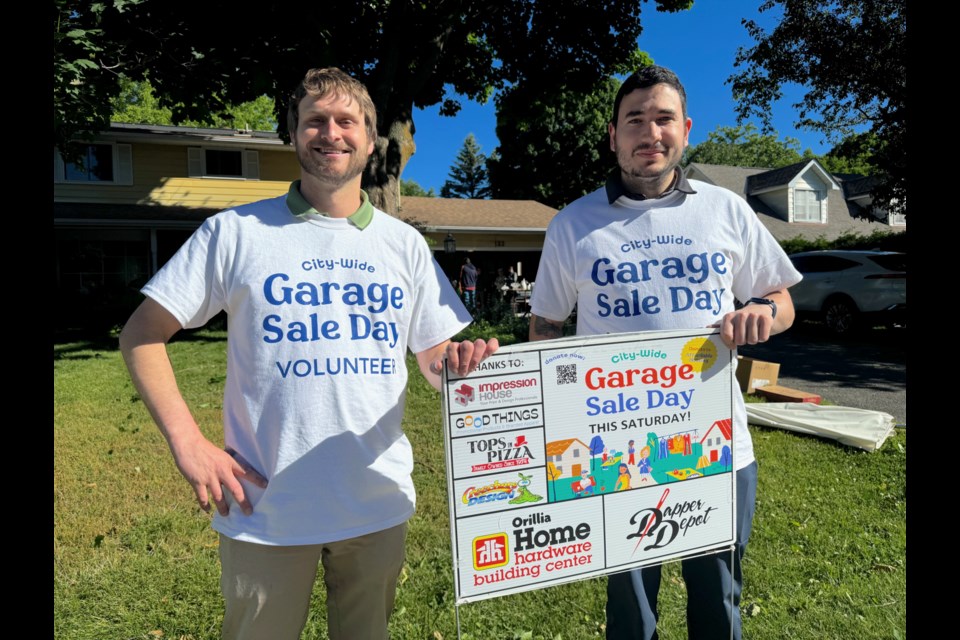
134, 556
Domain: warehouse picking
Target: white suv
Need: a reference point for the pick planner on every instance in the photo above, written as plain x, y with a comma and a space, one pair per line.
847, 288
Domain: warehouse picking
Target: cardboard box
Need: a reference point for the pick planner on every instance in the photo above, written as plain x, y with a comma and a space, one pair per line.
752, 374
776, 393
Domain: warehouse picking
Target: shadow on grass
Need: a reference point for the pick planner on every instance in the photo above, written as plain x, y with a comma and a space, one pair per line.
77, 343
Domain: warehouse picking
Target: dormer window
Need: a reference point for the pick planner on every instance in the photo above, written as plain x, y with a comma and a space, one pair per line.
807, 205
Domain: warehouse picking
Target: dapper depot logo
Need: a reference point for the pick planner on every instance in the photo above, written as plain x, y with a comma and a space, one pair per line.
491, 551
662, 524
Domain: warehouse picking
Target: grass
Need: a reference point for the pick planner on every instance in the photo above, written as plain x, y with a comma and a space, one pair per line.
134, 556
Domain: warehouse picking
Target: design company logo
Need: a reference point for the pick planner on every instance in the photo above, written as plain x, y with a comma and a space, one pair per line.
492, 492
464, 395
490, 552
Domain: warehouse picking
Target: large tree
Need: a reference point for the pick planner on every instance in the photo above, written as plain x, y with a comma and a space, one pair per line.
554, 145
409, 54
745, 146
850, 57
468, 175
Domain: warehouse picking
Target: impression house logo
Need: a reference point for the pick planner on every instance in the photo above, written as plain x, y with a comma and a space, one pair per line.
464, 395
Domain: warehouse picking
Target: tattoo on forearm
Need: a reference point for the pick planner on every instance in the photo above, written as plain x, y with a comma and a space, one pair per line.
547, 329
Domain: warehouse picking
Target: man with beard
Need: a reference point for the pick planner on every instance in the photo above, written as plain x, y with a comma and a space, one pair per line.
324, 295
677, 241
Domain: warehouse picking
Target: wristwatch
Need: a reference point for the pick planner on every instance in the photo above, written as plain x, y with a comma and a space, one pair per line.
773, 305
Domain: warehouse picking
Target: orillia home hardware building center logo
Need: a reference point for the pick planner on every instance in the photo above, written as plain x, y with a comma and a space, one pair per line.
539, 547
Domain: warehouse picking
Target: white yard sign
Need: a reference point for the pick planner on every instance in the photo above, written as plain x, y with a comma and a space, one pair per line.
579, 457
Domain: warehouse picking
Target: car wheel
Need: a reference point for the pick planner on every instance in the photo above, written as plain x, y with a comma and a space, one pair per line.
840, 315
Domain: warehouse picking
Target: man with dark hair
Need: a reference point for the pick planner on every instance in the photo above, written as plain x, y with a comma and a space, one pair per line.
693, 248
325, 294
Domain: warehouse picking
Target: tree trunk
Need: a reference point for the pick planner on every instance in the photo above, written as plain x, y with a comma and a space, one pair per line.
381, 180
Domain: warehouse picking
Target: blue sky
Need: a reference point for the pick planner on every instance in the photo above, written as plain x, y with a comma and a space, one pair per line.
699, 45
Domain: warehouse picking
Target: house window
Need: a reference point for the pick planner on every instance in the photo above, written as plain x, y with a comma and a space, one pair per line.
224, 163
806, 205
94, 165
203, 162
102, 163
576, 453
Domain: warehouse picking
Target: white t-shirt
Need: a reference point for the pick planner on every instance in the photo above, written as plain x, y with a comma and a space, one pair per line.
320, 317
675, 262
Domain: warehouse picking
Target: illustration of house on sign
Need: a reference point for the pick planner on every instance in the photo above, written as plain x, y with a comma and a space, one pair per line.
716, 438
569, 457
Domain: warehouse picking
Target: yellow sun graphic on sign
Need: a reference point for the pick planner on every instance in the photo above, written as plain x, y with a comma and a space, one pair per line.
699, 353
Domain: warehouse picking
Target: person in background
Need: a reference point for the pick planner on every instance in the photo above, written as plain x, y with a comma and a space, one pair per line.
468, 283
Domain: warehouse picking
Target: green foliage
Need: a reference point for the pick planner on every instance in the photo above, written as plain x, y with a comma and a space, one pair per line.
827, 557
554, 145
468, 175
411, 188
408, 54
497, 319
884, 240
850, 58
853, 155
744, 146
137, 103
85, 63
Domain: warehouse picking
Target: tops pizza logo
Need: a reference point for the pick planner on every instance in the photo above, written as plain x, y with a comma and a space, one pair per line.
501, 452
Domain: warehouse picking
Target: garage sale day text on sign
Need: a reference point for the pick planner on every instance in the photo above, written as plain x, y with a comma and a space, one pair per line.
579, 457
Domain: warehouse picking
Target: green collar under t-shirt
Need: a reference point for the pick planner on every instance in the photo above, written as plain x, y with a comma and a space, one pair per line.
299, 206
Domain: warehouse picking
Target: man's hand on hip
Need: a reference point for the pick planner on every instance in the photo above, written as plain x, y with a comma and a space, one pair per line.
210, 470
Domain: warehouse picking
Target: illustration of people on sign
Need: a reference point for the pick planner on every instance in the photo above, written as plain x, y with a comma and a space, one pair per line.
577, 469
623, 480
644, 467
584, 486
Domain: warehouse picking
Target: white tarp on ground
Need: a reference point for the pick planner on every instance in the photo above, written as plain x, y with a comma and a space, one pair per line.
862, 428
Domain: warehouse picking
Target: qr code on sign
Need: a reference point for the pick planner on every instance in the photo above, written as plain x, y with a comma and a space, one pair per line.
566, 374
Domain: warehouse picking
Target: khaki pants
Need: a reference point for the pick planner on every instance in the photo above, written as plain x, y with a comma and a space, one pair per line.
267, 588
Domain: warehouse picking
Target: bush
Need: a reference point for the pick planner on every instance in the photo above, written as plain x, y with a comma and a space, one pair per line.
496, 319
883, 240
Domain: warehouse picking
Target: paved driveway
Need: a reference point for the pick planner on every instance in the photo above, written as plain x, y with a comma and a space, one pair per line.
867, 371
